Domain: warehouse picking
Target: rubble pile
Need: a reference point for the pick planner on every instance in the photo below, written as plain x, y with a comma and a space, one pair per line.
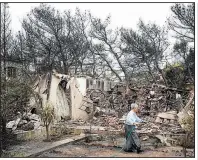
156, 128
111, 122
26, 122
165, 127
167, 117
158, 98
116, 98
159, 107
152, 98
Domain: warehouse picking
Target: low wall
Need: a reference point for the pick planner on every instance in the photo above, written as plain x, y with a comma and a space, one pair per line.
41, 133
30, 135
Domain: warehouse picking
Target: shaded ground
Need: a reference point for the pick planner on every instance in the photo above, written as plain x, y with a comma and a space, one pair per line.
93, 151
89, 149
22, 148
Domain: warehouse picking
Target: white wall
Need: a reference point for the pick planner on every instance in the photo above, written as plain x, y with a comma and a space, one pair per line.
58, 99
77, 95
82, 85
62, 106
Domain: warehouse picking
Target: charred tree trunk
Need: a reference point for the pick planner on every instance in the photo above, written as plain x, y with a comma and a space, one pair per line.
150, 72
47, 133
1, 145
161, 72
3, 106
65, 68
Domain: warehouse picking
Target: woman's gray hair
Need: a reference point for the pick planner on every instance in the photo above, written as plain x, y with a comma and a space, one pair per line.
134, 105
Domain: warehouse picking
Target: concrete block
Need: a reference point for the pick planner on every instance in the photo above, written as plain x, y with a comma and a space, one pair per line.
167, 115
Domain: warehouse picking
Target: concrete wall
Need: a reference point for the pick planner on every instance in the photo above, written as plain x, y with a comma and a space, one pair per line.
62, 106
58, 99
76, 86
82, 85
57, 96
78, 97
40, 89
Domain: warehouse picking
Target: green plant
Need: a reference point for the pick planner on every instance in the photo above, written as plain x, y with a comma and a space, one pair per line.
48, 117
187, 124
174, 75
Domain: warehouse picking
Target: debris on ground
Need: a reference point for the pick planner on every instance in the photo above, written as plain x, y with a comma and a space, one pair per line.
161, 107
26, 122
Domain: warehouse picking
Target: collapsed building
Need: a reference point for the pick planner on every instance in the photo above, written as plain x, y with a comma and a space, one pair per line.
104, 103
71, 97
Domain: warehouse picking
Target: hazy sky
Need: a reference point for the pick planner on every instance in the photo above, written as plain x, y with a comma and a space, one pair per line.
122, 14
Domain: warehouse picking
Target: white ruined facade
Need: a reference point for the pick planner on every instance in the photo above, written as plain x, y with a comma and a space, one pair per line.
68, 94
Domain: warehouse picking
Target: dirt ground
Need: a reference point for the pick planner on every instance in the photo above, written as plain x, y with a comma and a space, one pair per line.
92, 151
22, 148
79, 149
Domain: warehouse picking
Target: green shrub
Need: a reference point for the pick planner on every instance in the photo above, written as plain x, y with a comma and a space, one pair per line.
188, 123
174, 75
48, 117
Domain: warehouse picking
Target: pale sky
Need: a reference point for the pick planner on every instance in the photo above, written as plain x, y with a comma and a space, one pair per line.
122, 14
